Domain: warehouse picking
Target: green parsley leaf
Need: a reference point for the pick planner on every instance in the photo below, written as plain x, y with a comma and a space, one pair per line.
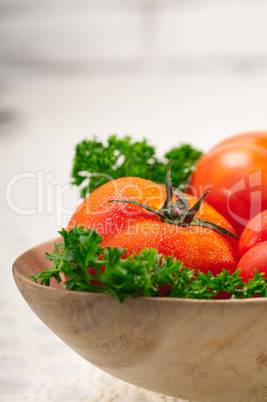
95, 164
90, 268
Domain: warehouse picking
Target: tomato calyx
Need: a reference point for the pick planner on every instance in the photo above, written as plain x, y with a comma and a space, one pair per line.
178, 212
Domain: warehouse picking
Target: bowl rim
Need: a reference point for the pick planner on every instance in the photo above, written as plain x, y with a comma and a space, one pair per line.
17, 271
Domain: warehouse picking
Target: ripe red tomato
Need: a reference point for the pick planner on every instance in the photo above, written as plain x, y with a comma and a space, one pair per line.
134, 228
254, 258
235, 171
255, 232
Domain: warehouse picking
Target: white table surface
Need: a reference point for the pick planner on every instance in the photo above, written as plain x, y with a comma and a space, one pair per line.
51, 115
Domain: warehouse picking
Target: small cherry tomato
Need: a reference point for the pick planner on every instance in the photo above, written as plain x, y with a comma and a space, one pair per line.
254, 258
255, 232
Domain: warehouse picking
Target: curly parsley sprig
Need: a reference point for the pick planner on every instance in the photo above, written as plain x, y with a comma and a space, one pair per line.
139, 275
95, 163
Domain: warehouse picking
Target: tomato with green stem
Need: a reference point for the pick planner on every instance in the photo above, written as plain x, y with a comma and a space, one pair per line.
135, 214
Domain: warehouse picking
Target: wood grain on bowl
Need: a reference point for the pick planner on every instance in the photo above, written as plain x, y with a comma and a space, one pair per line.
197, 350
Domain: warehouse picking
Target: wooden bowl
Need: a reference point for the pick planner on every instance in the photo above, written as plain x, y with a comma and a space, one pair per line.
196, 350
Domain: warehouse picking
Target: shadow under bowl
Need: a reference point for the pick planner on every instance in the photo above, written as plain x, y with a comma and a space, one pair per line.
198, 350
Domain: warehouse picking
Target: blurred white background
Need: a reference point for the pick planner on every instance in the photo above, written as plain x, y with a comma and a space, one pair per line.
116, 36
171, 71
